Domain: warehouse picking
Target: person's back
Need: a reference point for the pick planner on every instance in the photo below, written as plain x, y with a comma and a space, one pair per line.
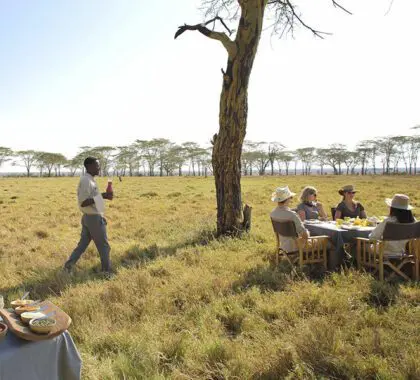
400, 212
282, 212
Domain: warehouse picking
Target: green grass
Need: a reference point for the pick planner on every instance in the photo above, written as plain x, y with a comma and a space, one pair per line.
184, 305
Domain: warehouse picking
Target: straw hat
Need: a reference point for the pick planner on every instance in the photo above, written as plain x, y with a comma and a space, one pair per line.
400, 201
281, 194
347, 189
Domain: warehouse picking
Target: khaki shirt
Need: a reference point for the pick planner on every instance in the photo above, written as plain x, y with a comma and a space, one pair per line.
391, 247
87, 189
282, 213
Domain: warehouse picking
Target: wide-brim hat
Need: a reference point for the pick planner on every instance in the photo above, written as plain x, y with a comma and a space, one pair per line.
281, 194
347, 189
400, 201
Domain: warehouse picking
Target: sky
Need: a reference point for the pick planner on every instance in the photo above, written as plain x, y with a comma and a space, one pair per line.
106, 72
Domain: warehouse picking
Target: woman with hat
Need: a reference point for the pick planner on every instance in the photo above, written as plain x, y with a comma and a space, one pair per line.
399, 212
310, 208
283, 196
348, 207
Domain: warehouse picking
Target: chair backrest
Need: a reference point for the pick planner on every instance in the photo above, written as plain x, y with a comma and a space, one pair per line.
285, 228
333, 210
401, 231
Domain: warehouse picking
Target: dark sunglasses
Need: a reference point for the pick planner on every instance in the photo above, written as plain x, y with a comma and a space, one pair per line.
351, 192
314, 194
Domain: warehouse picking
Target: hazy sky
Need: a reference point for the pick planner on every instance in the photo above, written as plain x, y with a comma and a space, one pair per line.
106, 72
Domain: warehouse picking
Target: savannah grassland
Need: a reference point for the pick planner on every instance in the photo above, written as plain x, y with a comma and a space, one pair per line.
184, 305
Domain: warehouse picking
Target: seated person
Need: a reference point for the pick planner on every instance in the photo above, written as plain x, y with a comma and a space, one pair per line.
283, 196
399, 212
348, 207
310, 208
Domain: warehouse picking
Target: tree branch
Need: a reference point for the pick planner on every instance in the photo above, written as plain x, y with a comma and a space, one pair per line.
287, 17
229, 45
389, 8
341, 7
317, 33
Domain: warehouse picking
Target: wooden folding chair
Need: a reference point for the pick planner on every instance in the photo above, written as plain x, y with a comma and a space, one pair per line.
310, 251
370, 253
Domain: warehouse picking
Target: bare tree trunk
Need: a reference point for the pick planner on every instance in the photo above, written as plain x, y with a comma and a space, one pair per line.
227, 149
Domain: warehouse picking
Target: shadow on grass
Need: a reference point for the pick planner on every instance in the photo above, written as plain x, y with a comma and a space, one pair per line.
382, 294
264, 277
275, 278
55, 281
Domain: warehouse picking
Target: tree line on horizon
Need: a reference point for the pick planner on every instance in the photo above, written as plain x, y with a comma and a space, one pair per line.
161, 157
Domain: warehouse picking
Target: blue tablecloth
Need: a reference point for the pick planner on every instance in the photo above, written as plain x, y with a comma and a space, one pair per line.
338, 238
53, 359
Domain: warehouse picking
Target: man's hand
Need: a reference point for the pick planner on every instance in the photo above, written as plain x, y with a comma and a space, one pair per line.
108, 196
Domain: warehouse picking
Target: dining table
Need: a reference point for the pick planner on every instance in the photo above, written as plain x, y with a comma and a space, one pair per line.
342, 239
52, 359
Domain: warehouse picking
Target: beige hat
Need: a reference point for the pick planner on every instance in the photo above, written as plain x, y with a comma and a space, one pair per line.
281, 194
347, 189
400, 201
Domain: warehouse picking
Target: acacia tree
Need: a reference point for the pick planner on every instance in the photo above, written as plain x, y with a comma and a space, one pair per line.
5, 154
29, 159
306, 156
233, 113
274, 149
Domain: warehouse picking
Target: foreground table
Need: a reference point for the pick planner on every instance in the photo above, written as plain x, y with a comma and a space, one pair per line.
338, 237
54, 359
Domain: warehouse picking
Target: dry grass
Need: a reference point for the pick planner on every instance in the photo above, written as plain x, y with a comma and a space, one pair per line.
186, 306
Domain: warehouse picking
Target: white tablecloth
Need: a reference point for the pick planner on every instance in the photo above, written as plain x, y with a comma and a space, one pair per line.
53, 359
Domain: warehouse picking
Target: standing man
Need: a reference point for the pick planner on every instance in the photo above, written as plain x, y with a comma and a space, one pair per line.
93, 221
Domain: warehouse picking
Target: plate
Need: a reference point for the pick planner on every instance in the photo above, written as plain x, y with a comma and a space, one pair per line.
349, 227
313, 221
16, 326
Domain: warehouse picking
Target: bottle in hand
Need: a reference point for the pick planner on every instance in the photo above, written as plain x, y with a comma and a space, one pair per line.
109, 187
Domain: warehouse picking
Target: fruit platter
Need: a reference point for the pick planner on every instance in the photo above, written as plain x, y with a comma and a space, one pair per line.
35, 320
357, 223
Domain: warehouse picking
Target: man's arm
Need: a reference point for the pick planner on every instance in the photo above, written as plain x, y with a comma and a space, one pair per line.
90, 201
87, 202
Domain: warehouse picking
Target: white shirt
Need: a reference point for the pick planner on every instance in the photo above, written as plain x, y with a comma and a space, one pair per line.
87, 189
282, 213
391, 247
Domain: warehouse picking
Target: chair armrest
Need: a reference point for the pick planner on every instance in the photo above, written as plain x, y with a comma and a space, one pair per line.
318, 237
364, 239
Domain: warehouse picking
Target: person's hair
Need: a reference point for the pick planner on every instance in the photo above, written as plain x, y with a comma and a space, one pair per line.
89, 161
403, 216
306, 192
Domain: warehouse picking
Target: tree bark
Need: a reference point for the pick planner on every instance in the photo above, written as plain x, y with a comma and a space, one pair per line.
227, 144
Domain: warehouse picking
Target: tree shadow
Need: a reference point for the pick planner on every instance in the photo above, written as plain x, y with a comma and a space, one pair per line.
276, 277
265, 278
382, 294
55, 281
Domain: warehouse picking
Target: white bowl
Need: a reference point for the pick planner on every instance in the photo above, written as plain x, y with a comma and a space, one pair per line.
42, 329
17, 303
28, 315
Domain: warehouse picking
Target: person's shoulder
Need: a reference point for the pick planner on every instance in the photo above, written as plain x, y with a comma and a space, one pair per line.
300, 206
85, 178
340, 205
